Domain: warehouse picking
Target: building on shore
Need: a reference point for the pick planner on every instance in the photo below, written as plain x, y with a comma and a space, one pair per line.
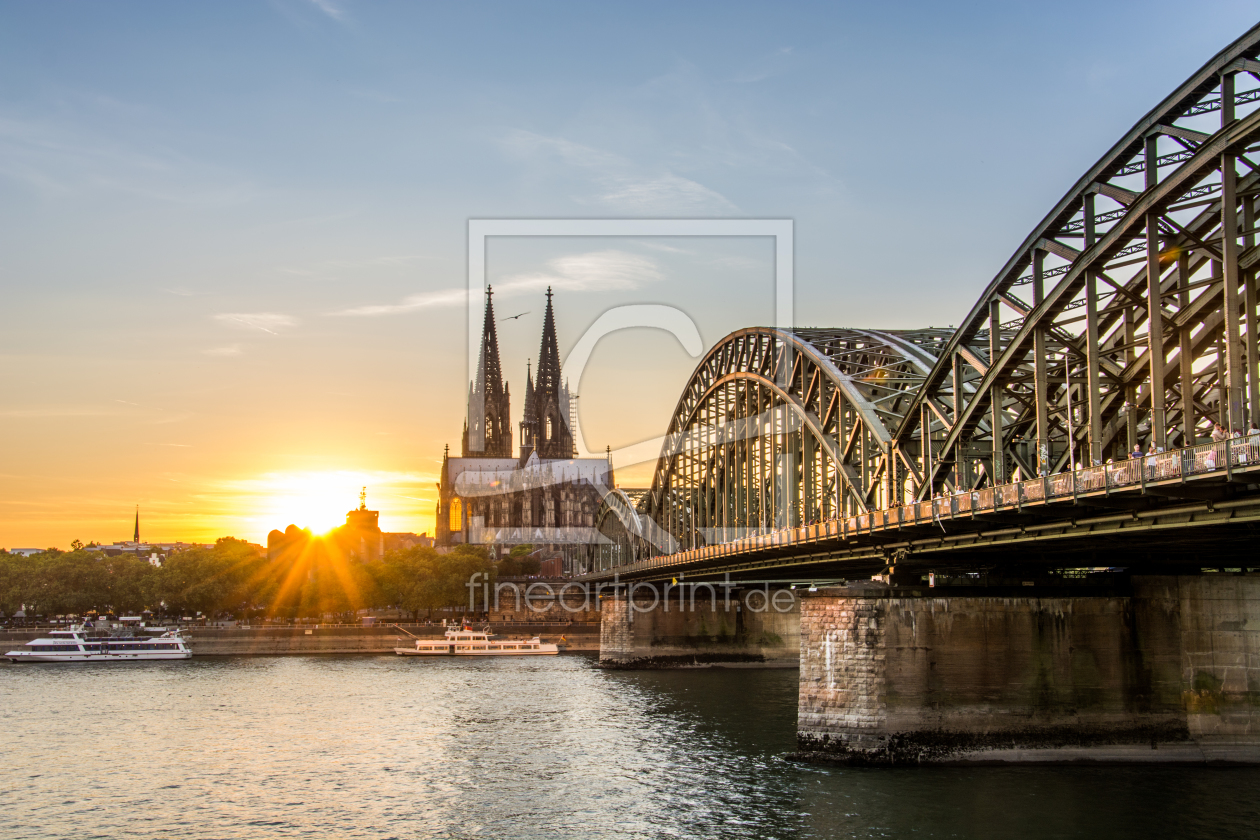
360, 539
544, 496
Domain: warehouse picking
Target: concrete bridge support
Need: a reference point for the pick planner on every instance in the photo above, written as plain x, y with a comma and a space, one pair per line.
678, 627
1155, 669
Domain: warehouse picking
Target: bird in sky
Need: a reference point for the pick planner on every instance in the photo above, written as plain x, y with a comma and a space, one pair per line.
513, 317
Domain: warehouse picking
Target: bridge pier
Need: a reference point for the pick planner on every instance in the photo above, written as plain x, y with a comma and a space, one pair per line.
705, 625
1148, 669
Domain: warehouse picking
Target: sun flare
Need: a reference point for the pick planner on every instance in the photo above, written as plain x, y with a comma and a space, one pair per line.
318, 501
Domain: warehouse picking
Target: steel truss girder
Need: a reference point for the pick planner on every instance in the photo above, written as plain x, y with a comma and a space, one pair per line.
1020, 383
825, 399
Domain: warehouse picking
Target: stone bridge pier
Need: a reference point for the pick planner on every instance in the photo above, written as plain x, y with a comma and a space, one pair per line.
714, 625
1144, 669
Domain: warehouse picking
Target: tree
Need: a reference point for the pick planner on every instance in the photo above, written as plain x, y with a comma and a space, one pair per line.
518, 563
421, 578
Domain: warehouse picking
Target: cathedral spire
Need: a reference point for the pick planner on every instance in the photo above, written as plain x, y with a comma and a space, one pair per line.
549, 353
488, 371
553, 438
488, 431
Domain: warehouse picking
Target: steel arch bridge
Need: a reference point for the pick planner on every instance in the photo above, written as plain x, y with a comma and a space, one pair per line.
776, 428
1126, 318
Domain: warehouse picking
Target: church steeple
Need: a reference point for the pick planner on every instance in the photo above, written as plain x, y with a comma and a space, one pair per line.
550, 408
488, 431
549, 352
136, 538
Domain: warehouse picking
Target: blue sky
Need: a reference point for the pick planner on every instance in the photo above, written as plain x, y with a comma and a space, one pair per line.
193, 196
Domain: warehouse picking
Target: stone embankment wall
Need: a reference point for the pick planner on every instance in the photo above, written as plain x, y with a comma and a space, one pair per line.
734, 632
1169, 671
275, 641
546, 600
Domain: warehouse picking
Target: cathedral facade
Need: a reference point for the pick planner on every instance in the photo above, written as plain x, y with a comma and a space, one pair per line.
544, 495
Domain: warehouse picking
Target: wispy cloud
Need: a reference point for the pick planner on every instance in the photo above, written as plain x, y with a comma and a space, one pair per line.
423, 300
373, 95
592, 271
226, 350
329, 8
56, 159
268, 322
527, 143
770, 64
69, 411
668, 192
617, 182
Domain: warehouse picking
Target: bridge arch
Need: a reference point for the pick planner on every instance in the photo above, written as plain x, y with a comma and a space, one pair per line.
782, 427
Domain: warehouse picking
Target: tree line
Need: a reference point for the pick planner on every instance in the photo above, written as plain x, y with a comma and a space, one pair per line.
233, 578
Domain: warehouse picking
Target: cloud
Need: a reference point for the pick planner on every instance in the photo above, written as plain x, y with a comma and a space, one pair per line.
617, 181
329, 8
58, 160
227, 350
527, 144
669, 192
771, 64
268, 322
593, 271
57, 412
423, 300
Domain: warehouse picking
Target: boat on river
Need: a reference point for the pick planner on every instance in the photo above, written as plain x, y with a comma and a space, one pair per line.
81, 644
463, 641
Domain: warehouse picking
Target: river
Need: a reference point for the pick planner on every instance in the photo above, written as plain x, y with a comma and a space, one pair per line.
391, 747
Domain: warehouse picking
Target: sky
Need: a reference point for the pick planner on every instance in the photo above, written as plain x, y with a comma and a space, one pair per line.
233, 235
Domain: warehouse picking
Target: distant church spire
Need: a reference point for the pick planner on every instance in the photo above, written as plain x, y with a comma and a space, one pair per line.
488, 431
136, 538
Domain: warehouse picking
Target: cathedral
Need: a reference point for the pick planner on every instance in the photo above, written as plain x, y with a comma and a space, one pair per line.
544, 496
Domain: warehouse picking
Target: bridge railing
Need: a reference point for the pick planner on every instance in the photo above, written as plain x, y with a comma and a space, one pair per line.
1242, 453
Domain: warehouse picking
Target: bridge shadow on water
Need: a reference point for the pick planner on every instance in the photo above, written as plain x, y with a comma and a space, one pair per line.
740, 724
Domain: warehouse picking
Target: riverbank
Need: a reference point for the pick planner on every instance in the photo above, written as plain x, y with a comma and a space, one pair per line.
338, 639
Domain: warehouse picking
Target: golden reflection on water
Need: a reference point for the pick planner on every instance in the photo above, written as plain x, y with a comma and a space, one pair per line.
395, 747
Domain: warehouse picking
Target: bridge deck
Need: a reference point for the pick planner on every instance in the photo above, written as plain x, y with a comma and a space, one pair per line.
1208, 485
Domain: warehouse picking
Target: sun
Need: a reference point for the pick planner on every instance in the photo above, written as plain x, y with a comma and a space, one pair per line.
318, 501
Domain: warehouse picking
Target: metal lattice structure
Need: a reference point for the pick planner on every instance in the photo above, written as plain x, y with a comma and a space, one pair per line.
1127, 318
779, 428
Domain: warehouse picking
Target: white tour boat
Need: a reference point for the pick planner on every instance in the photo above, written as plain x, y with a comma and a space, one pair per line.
468, 642
78, 644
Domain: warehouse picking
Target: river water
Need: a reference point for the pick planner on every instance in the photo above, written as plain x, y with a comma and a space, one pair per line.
392, 747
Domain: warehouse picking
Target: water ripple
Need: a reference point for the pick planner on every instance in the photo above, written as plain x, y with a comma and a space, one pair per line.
381, 747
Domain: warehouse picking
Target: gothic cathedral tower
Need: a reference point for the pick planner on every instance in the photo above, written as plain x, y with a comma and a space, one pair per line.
488, 429
545, 427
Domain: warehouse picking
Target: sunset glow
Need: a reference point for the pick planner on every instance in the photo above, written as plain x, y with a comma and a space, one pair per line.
320, 500
317, 501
